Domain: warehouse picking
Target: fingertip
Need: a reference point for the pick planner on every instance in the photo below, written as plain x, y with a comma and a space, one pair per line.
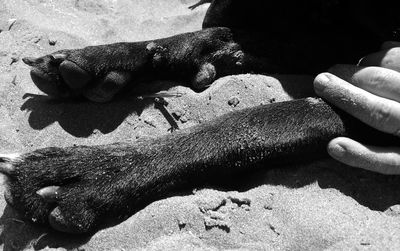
335, 149
321, 81
346, 151
384, 160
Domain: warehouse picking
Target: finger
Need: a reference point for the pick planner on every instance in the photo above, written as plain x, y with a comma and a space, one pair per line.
389, 58
53, 59
377, 159
380, 113
377, 80
50, 193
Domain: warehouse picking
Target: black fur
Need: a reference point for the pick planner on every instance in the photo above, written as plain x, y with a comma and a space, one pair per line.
113, 181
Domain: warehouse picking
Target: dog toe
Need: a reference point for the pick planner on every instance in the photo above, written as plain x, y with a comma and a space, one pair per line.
59, 222
108, 87
205, 76
73, 75
48, 85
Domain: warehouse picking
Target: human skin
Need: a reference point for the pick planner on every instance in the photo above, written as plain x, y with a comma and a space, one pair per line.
370, 91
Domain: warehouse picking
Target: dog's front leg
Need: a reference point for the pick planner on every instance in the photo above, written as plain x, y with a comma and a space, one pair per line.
75, 189
99, 72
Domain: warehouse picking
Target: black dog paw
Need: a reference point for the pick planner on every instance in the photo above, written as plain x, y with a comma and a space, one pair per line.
99, 72
74, 189
71, 73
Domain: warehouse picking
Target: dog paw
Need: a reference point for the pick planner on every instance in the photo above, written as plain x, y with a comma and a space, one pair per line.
87, 72
100, 72
73, 189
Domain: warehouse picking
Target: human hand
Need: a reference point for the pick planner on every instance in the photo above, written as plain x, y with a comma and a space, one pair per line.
370, 92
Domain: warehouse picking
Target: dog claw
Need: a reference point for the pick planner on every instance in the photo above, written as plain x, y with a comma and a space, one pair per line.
6, 163
50, 194
31, 61
6, 168
57, 59
59, 56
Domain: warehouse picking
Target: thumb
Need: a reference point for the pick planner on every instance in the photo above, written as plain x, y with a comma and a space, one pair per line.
385, 160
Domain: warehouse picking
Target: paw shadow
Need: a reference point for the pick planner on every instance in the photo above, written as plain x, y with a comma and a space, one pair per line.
81, 118
18, 234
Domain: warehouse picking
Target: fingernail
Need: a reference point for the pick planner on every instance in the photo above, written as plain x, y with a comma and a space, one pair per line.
336, 151
320, 82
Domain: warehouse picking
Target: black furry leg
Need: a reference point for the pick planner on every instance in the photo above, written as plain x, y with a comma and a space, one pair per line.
99, 72
74, 189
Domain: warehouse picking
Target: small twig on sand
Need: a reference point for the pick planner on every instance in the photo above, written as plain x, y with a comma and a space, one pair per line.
161, 104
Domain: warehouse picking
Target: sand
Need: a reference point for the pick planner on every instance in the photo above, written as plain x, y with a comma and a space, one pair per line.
325, 205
